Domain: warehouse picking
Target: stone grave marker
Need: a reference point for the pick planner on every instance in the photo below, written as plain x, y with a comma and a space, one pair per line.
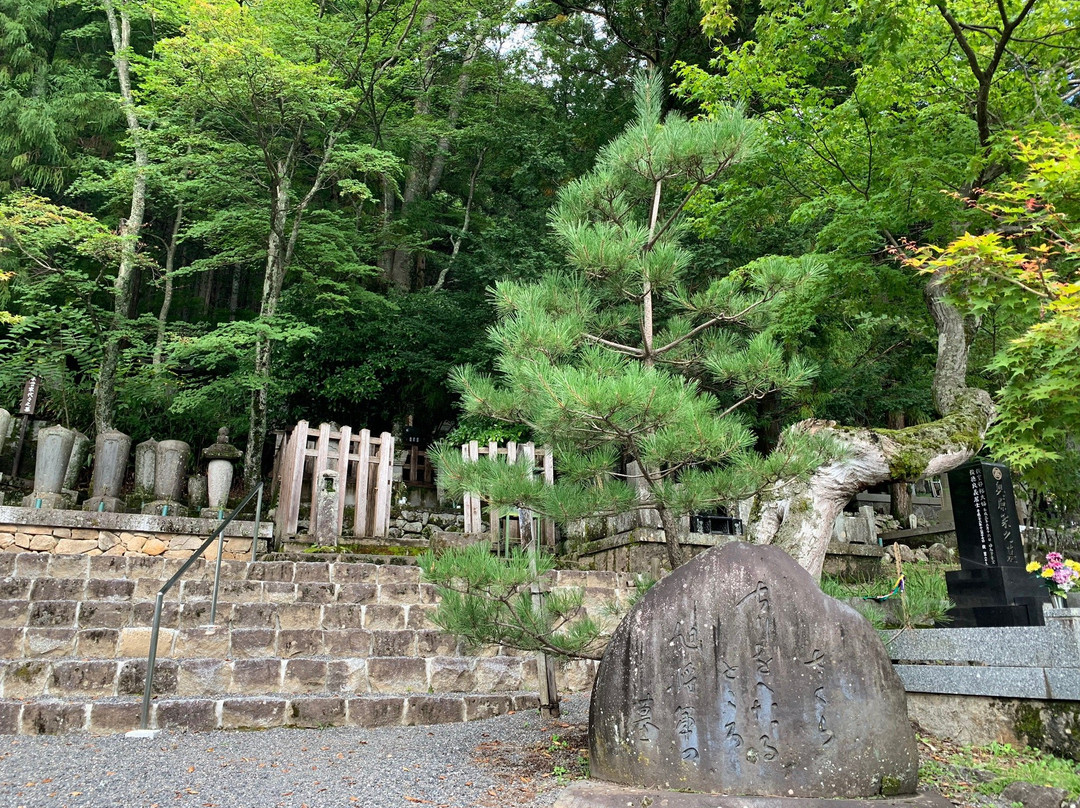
991, 588
111, 450
170, 478
735, 675
54, 446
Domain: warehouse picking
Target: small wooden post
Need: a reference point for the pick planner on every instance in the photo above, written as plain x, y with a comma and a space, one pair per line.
382, 485
292, 516
322, 453
474, 500
548, 529
493, 513
545, 669
344, 443
362, 492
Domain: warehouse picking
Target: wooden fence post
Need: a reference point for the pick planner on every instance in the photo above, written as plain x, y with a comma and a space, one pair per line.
382, 485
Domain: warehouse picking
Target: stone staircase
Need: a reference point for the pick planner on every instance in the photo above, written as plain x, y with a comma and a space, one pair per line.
297, 643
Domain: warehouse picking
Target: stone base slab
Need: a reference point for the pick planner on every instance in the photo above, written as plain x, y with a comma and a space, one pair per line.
598, 794
104, 505
164, 507
40, 500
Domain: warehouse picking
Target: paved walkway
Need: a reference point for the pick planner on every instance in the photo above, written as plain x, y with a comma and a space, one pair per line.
496, 762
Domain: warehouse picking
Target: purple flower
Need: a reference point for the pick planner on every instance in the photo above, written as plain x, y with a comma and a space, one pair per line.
1063, 575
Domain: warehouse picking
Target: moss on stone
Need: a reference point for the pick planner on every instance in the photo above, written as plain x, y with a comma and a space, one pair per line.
890, 786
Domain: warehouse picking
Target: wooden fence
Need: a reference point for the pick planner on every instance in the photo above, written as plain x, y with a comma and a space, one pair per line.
417, 471
364, 466
543, 463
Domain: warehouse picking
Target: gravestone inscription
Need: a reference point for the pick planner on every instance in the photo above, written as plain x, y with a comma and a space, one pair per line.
991, 588
736, 675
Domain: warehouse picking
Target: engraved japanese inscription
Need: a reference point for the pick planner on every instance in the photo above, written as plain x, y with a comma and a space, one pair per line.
735, 674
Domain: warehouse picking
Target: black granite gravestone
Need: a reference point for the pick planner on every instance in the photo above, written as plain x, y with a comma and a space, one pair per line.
735, 674
992, 588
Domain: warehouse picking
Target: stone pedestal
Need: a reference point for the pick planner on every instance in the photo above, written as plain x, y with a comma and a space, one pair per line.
165, 507
53, 453
111, 451
327, 527
596, 794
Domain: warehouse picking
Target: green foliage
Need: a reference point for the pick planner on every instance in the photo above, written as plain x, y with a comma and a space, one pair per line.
609, 359
1023, 271
484, 431
487, 600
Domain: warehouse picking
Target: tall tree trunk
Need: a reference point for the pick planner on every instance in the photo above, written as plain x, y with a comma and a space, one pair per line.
271, 294
425, 171
130, 228
234, 291
799, 516
166, 302
280, 246
900, 503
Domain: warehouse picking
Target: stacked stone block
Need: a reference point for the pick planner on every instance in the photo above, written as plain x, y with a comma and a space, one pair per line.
296, 644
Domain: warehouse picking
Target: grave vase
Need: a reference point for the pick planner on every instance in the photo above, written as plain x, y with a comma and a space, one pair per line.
1056, 601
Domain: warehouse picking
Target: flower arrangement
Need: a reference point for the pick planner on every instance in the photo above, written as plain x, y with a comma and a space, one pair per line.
1058, 574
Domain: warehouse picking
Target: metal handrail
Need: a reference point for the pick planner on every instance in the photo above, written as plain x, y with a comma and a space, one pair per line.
219, 534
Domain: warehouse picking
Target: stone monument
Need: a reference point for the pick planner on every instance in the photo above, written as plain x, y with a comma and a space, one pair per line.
327, 526
196, 491
5, 427
111, 451
219, 474
145, 470
735, 675
54, 445
79, 449
170, 478
991, 588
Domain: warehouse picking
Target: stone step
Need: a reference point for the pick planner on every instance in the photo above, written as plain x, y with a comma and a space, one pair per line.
379, 638
229, 591
292, 551
310, 710
398, 571
261, 676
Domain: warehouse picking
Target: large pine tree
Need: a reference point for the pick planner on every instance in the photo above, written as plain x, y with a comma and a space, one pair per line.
615, 361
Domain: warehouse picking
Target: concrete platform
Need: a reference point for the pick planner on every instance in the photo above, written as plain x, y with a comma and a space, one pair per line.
598, 794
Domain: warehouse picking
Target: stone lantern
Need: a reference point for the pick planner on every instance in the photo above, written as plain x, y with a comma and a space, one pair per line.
219, 474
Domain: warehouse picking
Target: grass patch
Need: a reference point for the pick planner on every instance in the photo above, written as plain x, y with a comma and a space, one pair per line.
925, 601
962, 772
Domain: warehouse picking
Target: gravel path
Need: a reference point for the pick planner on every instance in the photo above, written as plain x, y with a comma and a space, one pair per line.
495, 762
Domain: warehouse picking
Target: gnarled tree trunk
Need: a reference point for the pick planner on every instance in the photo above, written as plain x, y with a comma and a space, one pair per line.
799, 516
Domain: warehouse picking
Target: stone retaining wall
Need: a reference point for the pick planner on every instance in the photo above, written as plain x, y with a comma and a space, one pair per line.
64, 532
1008, 684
